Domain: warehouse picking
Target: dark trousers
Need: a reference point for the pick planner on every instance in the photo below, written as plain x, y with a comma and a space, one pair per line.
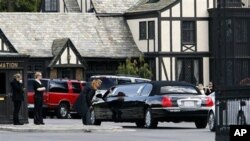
17, 107
38, 110
86, 118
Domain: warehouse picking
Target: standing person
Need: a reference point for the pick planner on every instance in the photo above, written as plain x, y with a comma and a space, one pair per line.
17, 97
201, 88
83, 102
210, 88
38, 99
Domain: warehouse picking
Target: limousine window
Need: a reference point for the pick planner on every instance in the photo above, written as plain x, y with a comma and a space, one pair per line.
128, 90
178, 89
123, 81
146, 90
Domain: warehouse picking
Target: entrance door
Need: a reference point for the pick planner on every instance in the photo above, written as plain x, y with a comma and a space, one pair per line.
189, 70
3, 97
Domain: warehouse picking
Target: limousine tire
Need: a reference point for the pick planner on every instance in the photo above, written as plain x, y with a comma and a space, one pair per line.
62, 111
202, 123
149, 121
93, 120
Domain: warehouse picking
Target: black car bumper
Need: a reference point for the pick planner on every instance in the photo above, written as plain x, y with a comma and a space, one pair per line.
178, 115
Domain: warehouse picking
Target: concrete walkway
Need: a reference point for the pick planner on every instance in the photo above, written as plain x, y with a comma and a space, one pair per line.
59, 125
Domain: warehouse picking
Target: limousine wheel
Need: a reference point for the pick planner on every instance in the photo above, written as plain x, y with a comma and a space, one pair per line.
62, 111
140, 124
202, 123
93, 120
149, 121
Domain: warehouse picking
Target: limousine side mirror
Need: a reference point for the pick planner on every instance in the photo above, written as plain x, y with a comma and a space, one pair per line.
99, 95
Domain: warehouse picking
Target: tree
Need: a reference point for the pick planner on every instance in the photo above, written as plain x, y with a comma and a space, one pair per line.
132, 67
20, 5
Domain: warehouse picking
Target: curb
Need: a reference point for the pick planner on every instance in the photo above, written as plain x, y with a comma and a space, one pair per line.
61, 128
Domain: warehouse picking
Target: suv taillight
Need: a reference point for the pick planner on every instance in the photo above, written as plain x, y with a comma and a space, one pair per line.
209, 102
166, 102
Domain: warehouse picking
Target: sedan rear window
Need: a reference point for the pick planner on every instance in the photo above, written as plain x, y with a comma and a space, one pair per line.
178, 89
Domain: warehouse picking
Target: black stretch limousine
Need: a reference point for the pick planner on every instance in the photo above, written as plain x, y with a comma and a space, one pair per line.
148, 103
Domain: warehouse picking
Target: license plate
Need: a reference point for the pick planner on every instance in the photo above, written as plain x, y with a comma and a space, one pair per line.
188, 104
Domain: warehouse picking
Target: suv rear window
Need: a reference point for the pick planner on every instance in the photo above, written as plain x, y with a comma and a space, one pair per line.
76, 87
178, 90
58, 86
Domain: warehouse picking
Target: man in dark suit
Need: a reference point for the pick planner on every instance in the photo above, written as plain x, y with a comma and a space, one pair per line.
17, 97
38, 99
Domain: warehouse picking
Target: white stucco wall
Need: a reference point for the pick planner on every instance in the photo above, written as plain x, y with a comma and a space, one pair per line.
176, 33
188, 8
206, 70
176, 10
165, 35
202, 36
201, 6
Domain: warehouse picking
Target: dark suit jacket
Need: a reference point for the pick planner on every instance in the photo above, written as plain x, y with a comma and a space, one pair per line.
17, 90
84, 100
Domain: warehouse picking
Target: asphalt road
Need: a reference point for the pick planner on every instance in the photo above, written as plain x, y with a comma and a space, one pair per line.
165, 132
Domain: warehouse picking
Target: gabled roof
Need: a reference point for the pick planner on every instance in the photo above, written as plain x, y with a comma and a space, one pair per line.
34, 33
5, 40
113, 6
146, 6
59, 45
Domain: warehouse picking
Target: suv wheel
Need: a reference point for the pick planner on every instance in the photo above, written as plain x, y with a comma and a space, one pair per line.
62, 111
149, 121
93, 120
202, 123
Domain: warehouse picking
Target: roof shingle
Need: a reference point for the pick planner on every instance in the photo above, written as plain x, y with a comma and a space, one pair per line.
34, 33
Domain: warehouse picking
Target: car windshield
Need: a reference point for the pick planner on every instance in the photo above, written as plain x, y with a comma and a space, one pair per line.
178, 90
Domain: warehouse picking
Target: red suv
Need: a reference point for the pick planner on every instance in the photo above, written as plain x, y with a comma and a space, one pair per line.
59, 97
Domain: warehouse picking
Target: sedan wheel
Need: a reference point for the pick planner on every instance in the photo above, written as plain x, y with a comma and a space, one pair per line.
93, 118
149, 121
211, 121
202, 123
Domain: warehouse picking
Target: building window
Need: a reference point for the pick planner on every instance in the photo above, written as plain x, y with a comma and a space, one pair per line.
189, 70
241, 31
143, 30
147, 33
151, 30
188, 32
51, 5
32, 68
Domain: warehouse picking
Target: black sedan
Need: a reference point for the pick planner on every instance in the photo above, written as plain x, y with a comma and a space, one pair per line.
148, 103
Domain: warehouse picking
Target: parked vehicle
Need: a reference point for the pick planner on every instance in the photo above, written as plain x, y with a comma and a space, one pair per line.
211, 115
148, 103
112, 80
59, 97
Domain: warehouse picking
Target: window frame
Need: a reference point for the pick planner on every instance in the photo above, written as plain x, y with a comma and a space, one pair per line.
190, 31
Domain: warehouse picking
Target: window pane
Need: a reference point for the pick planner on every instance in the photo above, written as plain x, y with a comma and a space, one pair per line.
178, 89
143, 31
151, 29
146, 90
76, 87
188, 32
57, 86
123, 81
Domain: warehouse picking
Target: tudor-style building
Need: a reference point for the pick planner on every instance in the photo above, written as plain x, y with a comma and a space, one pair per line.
178, 34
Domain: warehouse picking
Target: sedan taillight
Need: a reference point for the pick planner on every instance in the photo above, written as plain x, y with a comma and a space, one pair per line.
166, 102
209, 102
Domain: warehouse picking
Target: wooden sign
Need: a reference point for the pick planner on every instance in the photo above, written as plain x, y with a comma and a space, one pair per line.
9, 65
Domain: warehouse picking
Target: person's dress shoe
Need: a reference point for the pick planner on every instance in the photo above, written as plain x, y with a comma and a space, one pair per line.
36, 123
42, 123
